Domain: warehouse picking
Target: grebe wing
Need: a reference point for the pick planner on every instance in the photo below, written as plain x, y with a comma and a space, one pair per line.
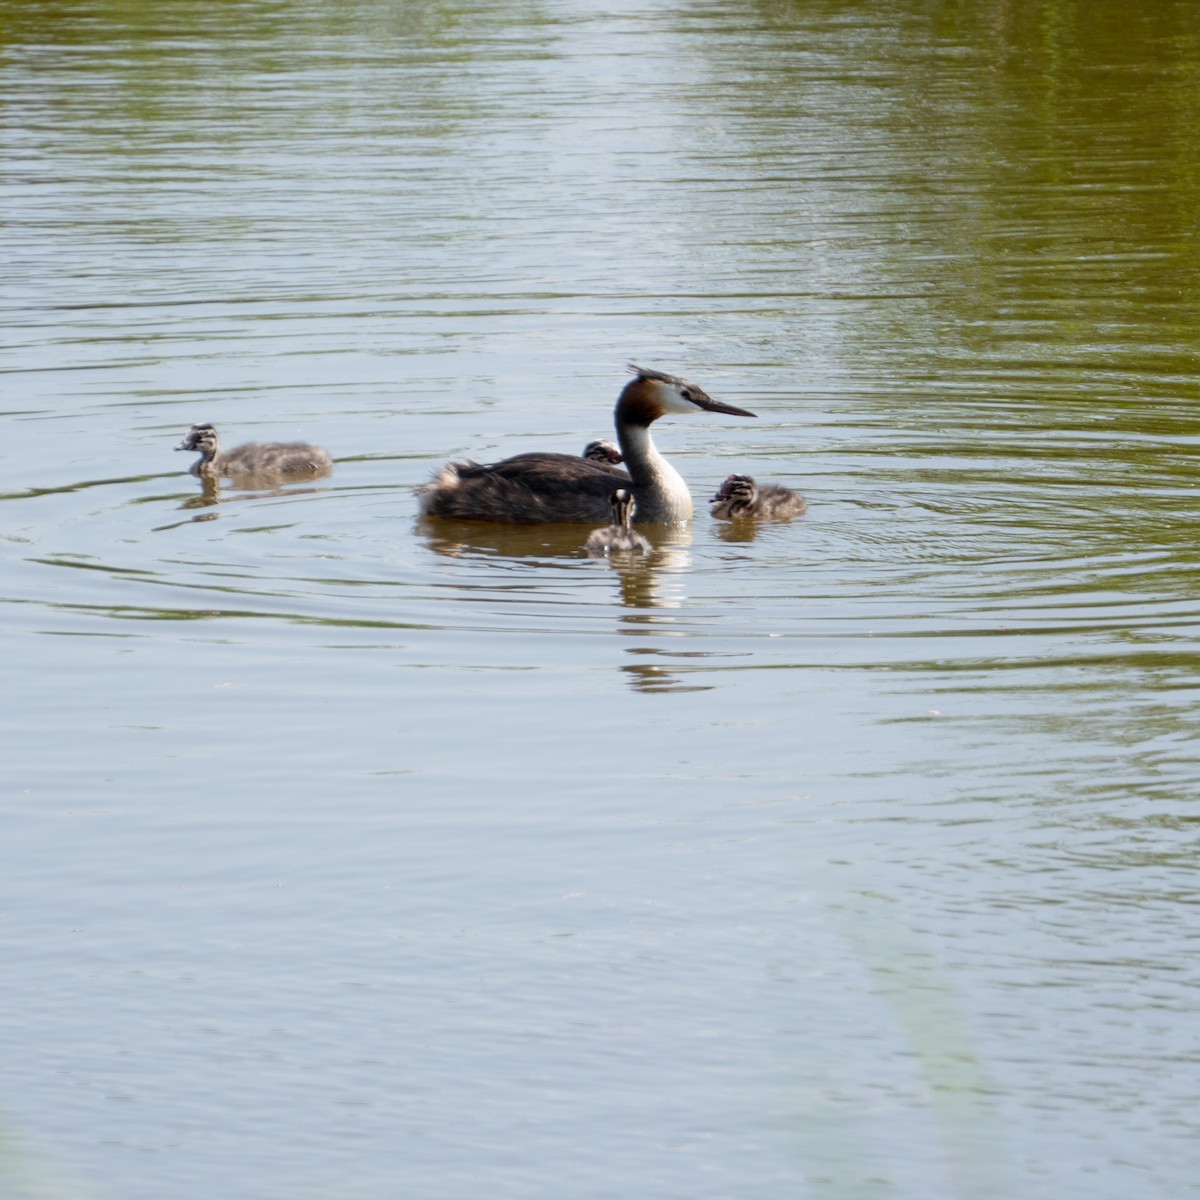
542, 468
533, 487
553, 476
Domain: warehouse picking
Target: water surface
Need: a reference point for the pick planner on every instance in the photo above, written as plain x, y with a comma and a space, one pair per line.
351, 855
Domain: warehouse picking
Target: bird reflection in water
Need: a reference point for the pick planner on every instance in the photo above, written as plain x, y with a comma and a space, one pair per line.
247, 488
649, 596
491, 540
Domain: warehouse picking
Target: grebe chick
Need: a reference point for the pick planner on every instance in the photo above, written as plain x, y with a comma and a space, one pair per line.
618, 535
603, 452
254, 458
740, 496
539, 487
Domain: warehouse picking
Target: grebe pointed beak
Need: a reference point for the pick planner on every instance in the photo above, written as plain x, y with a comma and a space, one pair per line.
710, 405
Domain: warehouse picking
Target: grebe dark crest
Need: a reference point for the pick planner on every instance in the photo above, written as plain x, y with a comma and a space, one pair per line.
603, 452
740, 496
539, 487
254, 458
618, 536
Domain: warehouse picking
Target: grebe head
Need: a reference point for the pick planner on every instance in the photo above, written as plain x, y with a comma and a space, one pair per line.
623, 507
737, 487
202, 437
603, 452
653, 394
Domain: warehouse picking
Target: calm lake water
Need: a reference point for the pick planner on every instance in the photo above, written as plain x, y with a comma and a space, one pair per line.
353, 857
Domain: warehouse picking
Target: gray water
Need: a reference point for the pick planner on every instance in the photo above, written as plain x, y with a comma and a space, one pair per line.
350, 856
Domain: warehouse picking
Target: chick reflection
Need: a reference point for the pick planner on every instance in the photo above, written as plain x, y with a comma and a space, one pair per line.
736, 531
486, 539
647, 580
210, 494
247, 488
652, 677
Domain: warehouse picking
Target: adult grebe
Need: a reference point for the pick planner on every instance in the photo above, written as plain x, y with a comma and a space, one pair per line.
740, 496
254, 458
603, 452
537, 487
618, 536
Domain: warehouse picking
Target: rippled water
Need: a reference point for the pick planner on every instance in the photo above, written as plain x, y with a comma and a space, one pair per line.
352, 855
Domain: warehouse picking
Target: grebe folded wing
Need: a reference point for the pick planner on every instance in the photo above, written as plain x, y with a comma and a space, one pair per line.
545, 467
528, 488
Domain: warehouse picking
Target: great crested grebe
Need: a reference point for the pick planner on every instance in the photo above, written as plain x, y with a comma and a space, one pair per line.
540, 486
618, 536
740, 496
603, 452
254, 458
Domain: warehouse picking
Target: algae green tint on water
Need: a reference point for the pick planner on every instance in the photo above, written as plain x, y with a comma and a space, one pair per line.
354, 856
